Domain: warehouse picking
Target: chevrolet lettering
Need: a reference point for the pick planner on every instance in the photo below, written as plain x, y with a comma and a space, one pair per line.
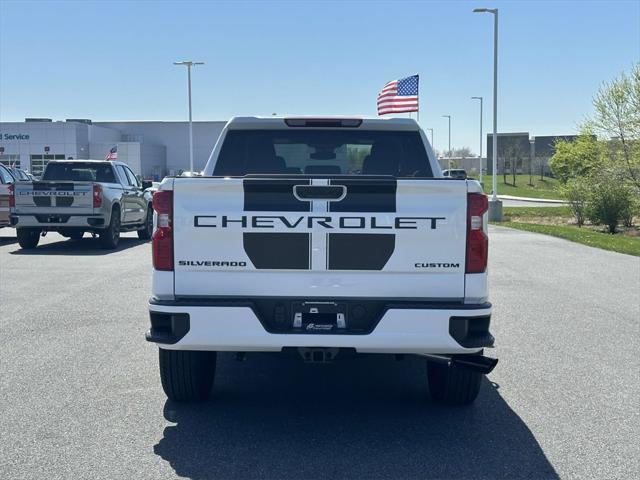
51, 193
310, 222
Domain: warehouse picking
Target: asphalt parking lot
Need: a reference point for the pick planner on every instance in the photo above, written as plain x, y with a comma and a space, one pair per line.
81, 398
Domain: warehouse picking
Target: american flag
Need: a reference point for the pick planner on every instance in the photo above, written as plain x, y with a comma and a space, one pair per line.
113, 154
399, 96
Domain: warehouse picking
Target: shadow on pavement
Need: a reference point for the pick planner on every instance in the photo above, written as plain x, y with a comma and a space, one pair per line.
7, 240
365, 417
84, 246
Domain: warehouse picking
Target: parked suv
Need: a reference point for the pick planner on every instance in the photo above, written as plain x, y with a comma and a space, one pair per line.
78, 196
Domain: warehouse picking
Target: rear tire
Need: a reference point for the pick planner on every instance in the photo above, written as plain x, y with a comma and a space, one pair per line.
110, 237
147, 231
28, 238
187, 376
453, 385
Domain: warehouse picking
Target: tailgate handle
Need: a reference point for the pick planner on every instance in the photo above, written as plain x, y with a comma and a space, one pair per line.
330, 193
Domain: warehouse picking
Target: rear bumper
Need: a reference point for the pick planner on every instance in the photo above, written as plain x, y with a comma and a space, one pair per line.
411, 328
54, 221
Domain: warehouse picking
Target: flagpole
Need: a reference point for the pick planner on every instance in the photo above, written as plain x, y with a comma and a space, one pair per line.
418, 92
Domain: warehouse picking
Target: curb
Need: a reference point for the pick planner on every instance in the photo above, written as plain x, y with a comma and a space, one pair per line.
529, 199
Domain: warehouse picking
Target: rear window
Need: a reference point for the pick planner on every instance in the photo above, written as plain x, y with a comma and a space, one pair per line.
323, 152
79, 172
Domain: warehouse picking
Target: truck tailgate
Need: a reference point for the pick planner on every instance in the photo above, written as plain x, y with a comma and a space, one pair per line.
311, 237
65, 198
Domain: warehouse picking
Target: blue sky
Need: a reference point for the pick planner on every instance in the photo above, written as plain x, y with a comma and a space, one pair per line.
113, 60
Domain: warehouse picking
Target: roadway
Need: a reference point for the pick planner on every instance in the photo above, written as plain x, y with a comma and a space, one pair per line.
81, 398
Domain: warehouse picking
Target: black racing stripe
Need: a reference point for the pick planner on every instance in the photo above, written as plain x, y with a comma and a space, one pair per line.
42, 201
64, 201
278, 251
366, 196
359, 251
273, 196
53, 186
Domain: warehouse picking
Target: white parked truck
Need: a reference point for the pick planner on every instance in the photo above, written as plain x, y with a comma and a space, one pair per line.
321, 234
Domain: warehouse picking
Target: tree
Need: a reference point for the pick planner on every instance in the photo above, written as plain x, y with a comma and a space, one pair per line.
617, 117
577, 158
504, 153
463, 152
511, 152
540, 163
518, 155
514, 167
602, 176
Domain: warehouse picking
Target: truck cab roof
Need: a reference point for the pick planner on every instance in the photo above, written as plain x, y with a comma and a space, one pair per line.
317, 121
81, 160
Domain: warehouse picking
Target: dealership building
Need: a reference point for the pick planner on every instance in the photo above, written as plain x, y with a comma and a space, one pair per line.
156, 149
151, 149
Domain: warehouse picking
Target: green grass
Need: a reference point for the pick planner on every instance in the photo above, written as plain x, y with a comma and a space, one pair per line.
538, 212
617, 243
541, 188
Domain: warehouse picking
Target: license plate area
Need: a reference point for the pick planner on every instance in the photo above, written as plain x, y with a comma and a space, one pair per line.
319, 317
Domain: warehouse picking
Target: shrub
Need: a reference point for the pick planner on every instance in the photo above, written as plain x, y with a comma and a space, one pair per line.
610, 200
632, 211
576, 192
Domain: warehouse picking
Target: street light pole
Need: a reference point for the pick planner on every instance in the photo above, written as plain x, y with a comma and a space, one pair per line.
495, 205
189, 64
449, 163
480, 98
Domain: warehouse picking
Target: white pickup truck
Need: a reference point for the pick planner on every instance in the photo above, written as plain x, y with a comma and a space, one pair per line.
321, 234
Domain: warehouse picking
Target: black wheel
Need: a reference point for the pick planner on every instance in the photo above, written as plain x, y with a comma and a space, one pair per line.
147, 231
453, 385
110, 237
28, 237
187, 375
72, 234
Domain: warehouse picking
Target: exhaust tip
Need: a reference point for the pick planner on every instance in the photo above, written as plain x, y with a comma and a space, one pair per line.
477, 363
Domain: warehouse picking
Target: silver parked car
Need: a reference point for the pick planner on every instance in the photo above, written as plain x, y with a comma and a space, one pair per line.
78, 196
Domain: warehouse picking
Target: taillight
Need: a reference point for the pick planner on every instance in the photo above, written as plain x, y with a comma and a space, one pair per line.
162, 239
477, 240
12, 195
97, 196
